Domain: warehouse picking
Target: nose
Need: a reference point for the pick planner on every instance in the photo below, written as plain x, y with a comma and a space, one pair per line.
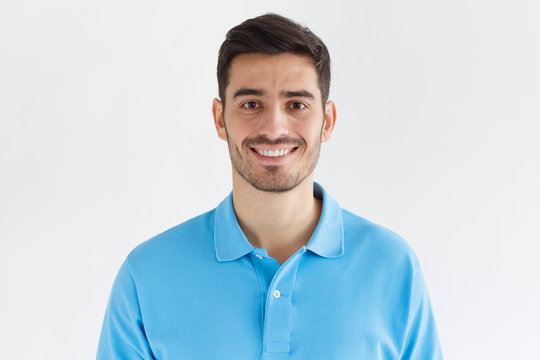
274, 122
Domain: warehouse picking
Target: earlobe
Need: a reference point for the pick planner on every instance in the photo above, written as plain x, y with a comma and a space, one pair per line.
329, 121
217, 112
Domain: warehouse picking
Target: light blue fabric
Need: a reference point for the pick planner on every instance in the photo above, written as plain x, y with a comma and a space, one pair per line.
201, 291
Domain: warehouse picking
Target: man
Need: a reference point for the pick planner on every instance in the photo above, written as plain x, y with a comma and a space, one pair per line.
278, 270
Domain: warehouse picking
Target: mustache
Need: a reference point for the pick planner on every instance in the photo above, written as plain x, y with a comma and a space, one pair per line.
263, 140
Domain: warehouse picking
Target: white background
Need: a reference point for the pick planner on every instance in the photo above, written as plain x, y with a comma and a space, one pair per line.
106, 139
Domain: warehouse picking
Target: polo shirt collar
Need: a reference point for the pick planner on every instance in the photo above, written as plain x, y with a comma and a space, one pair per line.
229, 240
327, 239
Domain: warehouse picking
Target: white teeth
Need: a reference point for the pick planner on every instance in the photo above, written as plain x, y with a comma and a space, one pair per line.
273, 153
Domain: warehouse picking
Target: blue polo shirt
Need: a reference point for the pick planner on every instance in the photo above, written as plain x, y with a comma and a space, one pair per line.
201, 291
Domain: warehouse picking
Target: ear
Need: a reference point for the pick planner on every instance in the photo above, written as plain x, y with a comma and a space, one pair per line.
329, 121
217, 111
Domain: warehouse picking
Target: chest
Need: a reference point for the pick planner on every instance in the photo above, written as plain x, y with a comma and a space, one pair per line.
258, 309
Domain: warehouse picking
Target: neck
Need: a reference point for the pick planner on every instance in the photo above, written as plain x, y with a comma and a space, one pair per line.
279, 222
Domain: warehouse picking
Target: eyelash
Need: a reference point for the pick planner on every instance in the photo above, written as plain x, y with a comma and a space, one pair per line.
244, 105
303, 105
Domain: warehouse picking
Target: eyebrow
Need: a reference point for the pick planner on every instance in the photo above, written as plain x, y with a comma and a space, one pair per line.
283, 94
299, 93
246, 91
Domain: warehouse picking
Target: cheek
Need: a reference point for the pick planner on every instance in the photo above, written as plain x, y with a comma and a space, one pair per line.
310, 132
241, 127
236, 131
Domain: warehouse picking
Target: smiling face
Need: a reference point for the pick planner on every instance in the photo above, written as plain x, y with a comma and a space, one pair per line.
273, 120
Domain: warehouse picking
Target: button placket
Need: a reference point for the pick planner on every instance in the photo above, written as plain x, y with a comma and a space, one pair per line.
278, 312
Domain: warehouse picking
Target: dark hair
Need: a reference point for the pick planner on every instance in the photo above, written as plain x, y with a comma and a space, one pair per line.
273, 34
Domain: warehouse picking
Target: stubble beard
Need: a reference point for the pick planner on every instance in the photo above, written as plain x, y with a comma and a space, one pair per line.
271, 178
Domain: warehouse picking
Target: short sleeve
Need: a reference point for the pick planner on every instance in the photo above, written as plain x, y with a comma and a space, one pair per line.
421, 339
123, 335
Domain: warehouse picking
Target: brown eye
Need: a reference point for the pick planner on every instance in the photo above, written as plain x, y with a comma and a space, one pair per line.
250, 105
297, 105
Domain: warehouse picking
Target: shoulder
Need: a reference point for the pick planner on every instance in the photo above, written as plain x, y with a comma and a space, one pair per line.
380, 244
182, 240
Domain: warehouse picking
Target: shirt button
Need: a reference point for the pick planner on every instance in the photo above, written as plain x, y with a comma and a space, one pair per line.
277, 294
259, 256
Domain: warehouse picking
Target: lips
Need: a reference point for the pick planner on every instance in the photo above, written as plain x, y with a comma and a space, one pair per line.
273, 152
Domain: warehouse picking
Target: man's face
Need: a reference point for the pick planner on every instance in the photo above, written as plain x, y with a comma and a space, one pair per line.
273, 119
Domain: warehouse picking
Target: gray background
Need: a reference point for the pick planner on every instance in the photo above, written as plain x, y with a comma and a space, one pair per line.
106, 139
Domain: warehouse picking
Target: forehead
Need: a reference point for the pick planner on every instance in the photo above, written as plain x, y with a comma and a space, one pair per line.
273, 73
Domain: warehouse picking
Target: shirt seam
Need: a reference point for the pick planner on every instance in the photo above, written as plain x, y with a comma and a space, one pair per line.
410, 315
263, 312
132, 276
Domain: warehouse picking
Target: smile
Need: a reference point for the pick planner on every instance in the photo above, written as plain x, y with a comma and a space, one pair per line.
273, 153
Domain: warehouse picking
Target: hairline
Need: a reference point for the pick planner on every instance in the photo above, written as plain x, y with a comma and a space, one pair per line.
308, 57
